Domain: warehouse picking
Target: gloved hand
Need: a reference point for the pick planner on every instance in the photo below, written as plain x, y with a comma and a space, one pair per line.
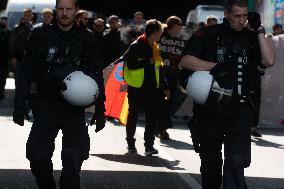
18, 118
57, 84
100, 122
222, 73
183, 77
254, 20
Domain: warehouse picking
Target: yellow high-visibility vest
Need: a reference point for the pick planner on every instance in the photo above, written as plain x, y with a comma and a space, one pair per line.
135, 77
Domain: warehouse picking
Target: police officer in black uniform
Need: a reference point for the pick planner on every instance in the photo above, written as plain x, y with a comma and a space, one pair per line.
5, 34
50, 54
227, 50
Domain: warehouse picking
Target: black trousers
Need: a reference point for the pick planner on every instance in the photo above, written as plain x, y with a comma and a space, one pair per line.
137, 98
164, 120
75, 147
3, 77
231, 128
256, 97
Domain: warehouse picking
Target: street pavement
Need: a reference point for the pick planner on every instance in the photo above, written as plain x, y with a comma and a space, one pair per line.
110, 167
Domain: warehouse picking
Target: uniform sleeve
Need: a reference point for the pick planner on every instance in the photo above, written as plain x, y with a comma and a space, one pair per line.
256, 53
194, 46
24, 73
12, 44
95, 66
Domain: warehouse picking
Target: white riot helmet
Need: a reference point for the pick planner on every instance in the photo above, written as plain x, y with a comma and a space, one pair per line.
203, 89
82, 90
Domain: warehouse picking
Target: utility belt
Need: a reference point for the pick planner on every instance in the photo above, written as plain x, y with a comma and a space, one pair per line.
239, 100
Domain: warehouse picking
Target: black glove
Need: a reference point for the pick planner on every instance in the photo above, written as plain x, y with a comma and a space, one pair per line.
183, 77
254, 20
193, 126
223, 74
57, 84
18, 118
100, 121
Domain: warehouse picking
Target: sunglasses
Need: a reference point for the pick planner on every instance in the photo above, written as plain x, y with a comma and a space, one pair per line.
99, 26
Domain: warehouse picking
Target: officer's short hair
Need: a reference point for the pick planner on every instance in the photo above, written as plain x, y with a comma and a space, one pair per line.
152, 26
4, 18
230, 3
173, 20
47, 10
27, 10
112, 17
211, 18
80, 13
99, 20
138, 13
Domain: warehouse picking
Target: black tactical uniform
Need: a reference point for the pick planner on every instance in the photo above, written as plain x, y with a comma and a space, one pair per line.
112, 46
49, 51
228, 125
4, 59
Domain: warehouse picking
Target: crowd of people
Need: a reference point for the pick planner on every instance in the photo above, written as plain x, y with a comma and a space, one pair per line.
158, 62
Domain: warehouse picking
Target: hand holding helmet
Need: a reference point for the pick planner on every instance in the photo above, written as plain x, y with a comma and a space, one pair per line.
204, 90
222, 73
81, 90
57, 84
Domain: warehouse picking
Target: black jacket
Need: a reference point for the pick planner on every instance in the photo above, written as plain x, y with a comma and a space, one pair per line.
205, 42
4, 48
18, 40
46, 48
138, 56
112, 46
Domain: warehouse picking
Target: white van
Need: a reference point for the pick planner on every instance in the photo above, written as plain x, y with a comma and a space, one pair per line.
200, 13
14, 9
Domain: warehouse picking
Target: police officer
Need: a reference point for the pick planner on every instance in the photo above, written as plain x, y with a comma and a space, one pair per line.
19, 38
49, 53
4, 48
227, 50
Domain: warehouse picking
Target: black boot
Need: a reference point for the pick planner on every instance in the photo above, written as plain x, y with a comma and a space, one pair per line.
149, 151
131, 145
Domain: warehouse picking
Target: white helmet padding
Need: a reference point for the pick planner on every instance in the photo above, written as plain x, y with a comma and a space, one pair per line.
204, 90
82, 90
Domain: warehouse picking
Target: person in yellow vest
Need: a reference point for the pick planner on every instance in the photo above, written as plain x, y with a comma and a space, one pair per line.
143, 76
